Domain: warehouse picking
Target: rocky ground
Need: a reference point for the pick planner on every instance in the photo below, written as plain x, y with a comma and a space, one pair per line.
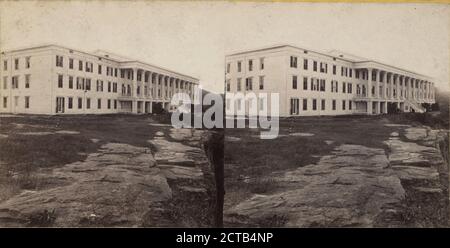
165, 183
403, 182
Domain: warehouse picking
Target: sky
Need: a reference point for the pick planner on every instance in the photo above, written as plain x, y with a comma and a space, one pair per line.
193, 37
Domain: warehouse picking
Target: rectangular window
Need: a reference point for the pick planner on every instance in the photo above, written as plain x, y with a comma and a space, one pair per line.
16, 64
294, 106
60, 81
322, 84
5, 102
99, 103
261, 63
228, 67
5, 65
343, 87
239, 66
70, 102
27, 102
305, 104
351, 72
349, 88
314, 104
314, 65
322, 105
88, 103
70, 82
334, 104
248, 84
250, 65
16, 101
305, 83
334, 69
15, 82
59, 61
5, 82
228, 85
109, 87
261, 82
80, 65
79, 83
109, 103
70, 63
88, 84
343, 104
115, 104
350, 105
293, 62
99, 69
80, 103
305, 64
294, 82
27, 81
27, 62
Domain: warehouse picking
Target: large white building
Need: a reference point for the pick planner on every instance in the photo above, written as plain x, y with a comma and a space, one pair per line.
53, 79
316, 83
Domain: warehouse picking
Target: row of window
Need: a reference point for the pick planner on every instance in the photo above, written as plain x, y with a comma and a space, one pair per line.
250, 65
15, 82
27, 63
16, 101
321, 67
79, 103
85, 84
295, 105
113, 72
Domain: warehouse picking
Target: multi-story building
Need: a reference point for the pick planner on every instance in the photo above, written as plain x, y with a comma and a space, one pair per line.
316, 83
53, 79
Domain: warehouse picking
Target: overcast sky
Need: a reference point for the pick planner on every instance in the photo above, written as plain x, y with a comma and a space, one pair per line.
193, 37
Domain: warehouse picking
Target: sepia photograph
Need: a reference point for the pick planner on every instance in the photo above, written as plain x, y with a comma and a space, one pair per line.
234, 114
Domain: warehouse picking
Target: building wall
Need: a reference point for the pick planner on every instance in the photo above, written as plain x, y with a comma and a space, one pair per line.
84, 94
279, 73
45, 88
40, 88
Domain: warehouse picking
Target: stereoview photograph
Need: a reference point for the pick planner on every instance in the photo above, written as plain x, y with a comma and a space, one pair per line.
224, 114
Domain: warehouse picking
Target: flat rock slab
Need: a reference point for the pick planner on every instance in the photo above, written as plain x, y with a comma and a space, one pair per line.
350, 187
232, 139
67, 132
35, 133
182, 134
301, 134
116, 186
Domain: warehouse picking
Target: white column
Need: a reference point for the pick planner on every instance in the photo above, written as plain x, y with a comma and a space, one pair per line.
369, 83
407, 87
384, 84
377, 80
391, 86
397, 86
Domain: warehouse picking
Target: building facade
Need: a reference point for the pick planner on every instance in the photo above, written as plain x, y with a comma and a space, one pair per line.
53, 79
314, 83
